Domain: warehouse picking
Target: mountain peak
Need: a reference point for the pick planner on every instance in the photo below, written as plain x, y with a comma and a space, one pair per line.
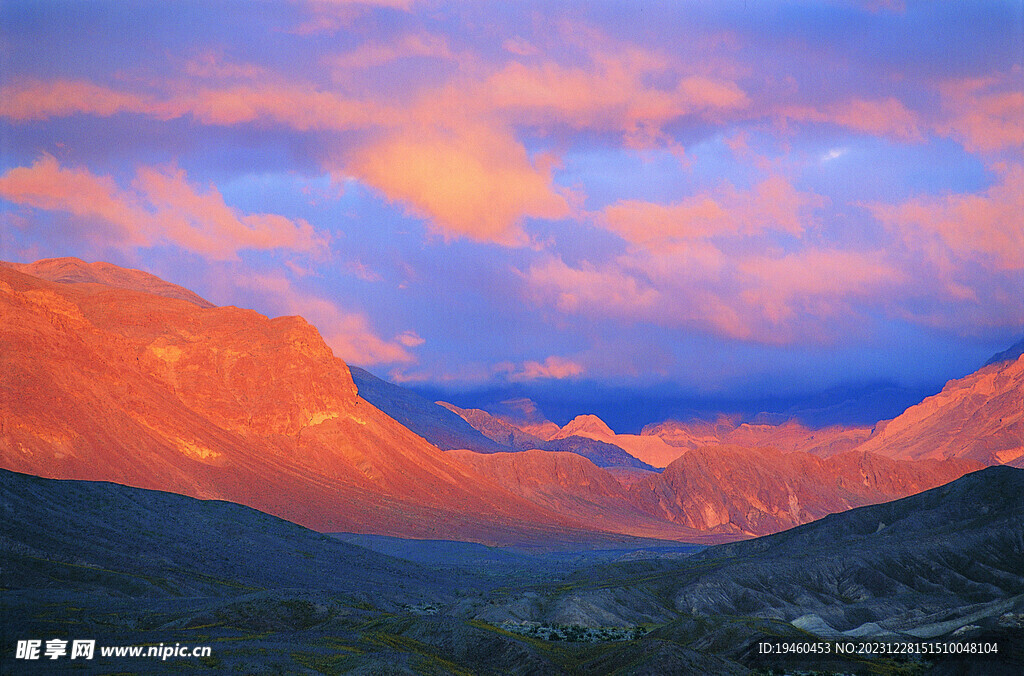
587, 425
70, 270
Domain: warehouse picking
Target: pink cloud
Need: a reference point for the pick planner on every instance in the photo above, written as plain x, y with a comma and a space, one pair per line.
160, 207
988, 227
298, 107
985, 114
589, 290
370, 55
771, 205
40, 100
610, 95
883, 117
813, 294
553, 368
476, 183
815, 284
349, 334
409, 339
301, 108
211, 64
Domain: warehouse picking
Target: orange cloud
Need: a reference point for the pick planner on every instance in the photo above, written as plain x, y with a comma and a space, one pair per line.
161, 207
988, 226
771, 205
474, 182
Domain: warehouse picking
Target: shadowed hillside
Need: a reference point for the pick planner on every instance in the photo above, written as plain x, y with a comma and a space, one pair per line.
129, 566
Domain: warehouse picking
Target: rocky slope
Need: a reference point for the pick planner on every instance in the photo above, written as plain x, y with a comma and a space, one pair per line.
570, 484
435, 423
944, 564
161, 391
787, 437
719, 492
980, 417
757, 491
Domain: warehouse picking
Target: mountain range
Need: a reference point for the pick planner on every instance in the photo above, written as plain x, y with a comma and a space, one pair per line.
113, 374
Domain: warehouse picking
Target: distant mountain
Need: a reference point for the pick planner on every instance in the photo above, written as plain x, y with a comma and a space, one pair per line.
652, 450
980, 417
494, 428
569, 484
524, 414
601, 453
720, 492
433, 422
757, 491
586, 426
788, 436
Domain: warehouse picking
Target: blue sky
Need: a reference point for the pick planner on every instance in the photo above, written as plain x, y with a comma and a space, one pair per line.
713, 201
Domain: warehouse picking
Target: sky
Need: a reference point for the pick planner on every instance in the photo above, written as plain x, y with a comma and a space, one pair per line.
716, 201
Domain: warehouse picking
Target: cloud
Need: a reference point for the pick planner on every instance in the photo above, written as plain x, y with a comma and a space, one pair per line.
454, 153
371, 55
328, 16
987, 227
40, 100
552, 368
363, 271
304, 108
590, 290
160, 207
985, 114
880, 117
771, 205
409, 339
812, 295
476, 183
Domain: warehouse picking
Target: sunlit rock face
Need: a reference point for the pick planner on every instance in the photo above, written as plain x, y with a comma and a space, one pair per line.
756, 491
111, 374
980, 417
